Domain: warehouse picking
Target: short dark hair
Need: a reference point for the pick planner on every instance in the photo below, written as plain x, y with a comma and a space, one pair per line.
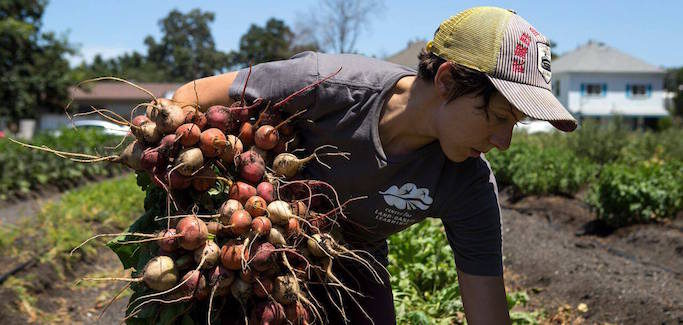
467, 81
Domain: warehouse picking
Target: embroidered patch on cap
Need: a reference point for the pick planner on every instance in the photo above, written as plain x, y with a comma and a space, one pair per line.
544, 61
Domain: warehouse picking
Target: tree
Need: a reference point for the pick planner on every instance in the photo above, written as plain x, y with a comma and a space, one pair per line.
673, 82
33, 68
187, 50
274, 41
336, 24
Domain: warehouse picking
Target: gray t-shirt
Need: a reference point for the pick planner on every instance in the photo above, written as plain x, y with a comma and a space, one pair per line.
400, 190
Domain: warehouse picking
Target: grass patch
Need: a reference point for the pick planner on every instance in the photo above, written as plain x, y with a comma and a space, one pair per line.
59, 226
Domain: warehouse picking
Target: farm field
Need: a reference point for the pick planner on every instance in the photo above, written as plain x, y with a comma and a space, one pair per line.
550, 253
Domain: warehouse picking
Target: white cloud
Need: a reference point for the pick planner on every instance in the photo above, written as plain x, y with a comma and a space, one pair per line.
88, 53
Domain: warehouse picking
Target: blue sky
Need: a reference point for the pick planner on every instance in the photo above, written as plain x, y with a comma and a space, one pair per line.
650, 30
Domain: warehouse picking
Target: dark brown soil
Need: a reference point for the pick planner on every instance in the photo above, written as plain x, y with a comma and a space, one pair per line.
555, 250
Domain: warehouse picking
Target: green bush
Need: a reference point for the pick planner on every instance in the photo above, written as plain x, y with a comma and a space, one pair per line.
533, 169
599, 143
624, 193
23, 170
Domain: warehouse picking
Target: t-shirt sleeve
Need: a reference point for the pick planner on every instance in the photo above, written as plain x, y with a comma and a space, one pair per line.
473, 226
276, 80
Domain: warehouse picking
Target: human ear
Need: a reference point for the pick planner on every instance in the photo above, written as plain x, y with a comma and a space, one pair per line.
444, 80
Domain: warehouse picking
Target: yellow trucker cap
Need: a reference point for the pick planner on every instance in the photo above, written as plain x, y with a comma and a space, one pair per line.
511, 52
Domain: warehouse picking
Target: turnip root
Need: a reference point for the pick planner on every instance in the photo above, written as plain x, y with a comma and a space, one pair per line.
189, 161
148, 132
276, 237
256, 206
159, 274
286, 289
177, 181
188, 134
279, 212
212, 142
250, 166
209, 253
288, 165
168, 116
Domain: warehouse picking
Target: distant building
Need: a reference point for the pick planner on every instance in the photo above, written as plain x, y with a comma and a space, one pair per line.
597, 81
115, 96
408, 56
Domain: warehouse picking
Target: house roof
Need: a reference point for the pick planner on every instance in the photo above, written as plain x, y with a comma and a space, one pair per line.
120, 91
598, 57
408, 56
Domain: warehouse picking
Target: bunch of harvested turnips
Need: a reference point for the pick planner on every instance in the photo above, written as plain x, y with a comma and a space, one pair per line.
231, 234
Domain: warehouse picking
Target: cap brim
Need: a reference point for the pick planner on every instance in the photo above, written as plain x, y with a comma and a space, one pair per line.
537, 103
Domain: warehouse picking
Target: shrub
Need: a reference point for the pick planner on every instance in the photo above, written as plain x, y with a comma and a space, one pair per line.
599, 143
532, 169
624, 194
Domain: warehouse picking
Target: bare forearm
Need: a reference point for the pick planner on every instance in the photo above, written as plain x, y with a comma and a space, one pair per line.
484, 299
207, 91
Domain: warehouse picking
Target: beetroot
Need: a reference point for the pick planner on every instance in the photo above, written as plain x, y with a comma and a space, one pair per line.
240, 222
212, 142
261, 226
188, 134
268, 313
231, 255
266, 191
266, 137
168, 242
193, 231
262, 259
227, 209
242, 192
256, 206
250, 166
246, 134
220, 117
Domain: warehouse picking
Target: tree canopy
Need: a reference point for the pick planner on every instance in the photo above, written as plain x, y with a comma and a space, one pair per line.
33, 68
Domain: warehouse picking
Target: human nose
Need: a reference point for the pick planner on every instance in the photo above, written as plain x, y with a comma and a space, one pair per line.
501, 139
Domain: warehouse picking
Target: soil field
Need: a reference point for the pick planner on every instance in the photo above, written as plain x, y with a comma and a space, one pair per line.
574, 269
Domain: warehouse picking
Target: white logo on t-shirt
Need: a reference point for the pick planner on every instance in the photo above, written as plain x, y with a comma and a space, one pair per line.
407, 197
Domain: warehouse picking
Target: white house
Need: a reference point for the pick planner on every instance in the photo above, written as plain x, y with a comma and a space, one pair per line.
596, 81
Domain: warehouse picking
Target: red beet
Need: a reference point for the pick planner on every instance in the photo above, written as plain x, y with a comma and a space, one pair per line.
250, 166
266, 191
242, 192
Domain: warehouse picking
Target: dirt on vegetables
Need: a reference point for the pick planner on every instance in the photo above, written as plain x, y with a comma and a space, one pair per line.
574, 270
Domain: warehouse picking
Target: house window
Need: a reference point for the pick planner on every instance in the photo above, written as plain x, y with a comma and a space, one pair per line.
638, 90
594, 89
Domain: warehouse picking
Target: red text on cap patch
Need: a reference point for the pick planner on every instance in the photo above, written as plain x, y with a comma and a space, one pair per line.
521, 49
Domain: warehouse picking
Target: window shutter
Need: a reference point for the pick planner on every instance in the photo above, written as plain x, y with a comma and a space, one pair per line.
628, 90
604, 90
649, 90
583, 89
